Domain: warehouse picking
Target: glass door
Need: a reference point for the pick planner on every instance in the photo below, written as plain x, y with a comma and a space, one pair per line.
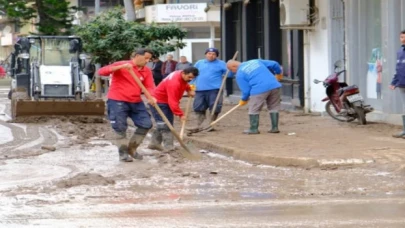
198, 51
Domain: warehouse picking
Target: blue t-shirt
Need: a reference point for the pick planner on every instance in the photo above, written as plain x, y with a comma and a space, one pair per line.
210, 74
255, 77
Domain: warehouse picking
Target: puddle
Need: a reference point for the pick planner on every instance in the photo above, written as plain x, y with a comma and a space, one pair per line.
257, 195
13, 175
6, 135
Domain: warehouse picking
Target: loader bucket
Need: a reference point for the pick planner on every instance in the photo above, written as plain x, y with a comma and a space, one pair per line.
26, 108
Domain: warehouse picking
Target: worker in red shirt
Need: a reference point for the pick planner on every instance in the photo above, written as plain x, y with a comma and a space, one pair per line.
168, 95
124, 100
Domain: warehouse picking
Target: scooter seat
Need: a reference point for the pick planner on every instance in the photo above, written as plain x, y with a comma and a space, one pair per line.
349, 88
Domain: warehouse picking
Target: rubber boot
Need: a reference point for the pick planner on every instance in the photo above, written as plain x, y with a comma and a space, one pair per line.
214, 117
401, 134
156, 141
254, 125
168, 144
200, 119
135, 141
120, 140
274, 122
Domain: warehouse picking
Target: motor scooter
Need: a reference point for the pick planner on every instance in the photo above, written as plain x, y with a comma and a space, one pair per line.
343, 102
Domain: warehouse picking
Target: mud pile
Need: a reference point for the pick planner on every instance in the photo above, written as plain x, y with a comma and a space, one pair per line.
85, 179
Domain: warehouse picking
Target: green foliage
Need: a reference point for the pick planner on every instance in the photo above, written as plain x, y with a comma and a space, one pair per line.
109, 37
54, 15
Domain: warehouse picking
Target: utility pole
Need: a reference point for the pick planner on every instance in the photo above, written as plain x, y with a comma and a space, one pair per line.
98, 79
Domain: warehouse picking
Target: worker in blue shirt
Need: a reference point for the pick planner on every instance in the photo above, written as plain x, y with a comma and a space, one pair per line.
207, 86
258, 83
398, 81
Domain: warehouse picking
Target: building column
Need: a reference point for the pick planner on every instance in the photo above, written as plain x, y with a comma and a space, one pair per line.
212, 35
274, 41
266, 29
390, 16
244, 33
351, 25
223, 30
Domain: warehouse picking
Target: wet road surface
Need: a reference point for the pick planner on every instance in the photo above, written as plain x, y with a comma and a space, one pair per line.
84, 185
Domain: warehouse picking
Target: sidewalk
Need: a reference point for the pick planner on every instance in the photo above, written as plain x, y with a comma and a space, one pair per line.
5, 81
305, 141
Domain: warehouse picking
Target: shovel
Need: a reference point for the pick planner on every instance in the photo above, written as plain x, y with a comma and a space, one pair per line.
186, 152
216, 121
221, 89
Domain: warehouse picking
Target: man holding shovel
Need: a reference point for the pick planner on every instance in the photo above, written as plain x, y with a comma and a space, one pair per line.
168, 95
256, 80
124, 100
208, 85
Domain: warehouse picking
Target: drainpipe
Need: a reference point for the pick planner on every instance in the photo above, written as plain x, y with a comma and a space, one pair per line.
307, 75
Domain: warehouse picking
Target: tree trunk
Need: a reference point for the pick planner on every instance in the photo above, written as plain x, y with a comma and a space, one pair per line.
130, 10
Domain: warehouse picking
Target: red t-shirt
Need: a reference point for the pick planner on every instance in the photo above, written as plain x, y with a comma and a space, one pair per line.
171, 90
2, 72
123, 86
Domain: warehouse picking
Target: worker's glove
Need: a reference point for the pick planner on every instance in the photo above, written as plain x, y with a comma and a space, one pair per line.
279, 77
242, 102
193, 87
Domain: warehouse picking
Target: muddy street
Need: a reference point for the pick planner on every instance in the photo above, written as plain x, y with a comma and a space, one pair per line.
76, 180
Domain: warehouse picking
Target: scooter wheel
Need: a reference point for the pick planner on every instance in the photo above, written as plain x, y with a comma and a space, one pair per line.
330, 109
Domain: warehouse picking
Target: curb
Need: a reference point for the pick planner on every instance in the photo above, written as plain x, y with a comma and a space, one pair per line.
255, 158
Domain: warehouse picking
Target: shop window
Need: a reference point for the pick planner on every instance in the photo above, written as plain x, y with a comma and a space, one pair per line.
217, 32
373, 52
198, 33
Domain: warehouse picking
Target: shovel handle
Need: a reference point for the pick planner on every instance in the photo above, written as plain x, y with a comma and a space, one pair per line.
149, 96
222, 87
183, 126
224, 115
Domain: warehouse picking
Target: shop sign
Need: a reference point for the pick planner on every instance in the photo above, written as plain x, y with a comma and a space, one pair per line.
166, 13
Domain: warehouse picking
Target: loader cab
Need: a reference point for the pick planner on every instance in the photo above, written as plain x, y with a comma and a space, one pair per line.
49, 67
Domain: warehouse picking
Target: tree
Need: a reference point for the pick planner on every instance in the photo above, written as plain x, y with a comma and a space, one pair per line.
108, 37
54, 15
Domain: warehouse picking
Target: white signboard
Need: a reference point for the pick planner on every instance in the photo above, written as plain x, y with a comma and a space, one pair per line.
166, 13
7, 39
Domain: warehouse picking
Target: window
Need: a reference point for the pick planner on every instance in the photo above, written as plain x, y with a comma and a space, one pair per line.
103, 3
198, 33
216, 2
217, 32
57, 52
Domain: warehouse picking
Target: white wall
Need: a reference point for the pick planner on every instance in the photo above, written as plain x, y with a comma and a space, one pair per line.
317, 59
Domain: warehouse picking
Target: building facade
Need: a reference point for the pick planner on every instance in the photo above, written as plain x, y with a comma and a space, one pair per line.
253, 29
201, 19
363, 33
372, 30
